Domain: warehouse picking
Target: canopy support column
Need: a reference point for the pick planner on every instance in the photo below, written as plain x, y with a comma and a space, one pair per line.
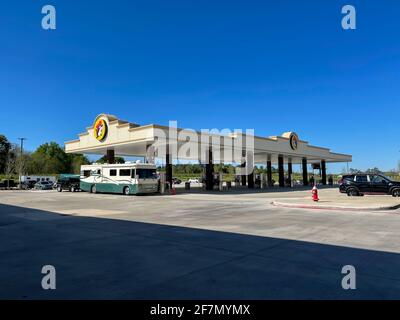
305, 172
110, 156
243, 165
209, 171
323, 172
250, 170
290, 172
281, 172
168, 168
269, 174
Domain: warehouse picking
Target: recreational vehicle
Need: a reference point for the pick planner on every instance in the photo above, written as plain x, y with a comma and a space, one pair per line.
127, 178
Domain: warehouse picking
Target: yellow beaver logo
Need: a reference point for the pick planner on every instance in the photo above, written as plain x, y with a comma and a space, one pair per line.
294, 141
100, 129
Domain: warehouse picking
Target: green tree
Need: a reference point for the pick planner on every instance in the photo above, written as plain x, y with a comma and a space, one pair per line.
10, 168
373, 170
103, 159
5, 147
76, 160
22, 161
50, 158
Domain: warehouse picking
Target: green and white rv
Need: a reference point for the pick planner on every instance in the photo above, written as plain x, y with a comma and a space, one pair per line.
127, 178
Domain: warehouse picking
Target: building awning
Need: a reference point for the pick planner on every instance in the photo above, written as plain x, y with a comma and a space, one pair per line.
130, 139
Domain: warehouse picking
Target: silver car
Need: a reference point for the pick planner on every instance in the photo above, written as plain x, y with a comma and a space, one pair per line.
43, 185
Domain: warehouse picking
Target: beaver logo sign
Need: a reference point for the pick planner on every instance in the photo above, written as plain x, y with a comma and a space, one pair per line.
100, 129
294, 141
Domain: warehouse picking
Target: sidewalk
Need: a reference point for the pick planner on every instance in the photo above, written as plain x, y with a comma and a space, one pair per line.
333, 200
299, 197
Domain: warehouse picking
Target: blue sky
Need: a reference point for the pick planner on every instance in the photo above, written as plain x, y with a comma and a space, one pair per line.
273, 66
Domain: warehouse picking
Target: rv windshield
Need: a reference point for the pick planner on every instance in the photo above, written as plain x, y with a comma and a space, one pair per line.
146, 173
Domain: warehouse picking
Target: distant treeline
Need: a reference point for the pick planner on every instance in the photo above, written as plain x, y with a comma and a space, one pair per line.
189, 169
50, 158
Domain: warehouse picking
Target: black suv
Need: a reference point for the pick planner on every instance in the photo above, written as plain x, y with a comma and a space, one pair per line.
360, 184
7, 184
68, 182
344, 177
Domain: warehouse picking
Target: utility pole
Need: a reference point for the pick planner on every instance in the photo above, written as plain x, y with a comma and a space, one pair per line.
21, 161
398, 166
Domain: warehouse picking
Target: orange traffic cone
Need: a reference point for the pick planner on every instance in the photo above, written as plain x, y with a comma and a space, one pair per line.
314, 192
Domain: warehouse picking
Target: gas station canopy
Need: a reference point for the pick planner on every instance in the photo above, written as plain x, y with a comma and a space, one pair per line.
122, 138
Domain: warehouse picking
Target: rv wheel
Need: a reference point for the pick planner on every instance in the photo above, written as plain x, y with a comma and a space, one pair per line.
126, 191
93, 189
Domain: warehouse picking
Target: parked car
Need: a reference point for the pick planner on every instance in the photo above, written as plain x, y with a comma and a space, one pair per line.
7, 184
68, 182
28, 182
195, 180
43, 185
344, 177
176, 181
362, 184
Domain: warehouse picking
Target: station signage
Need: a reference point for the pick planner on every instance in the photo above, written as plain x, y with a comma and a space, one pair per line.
294, 141
100, 129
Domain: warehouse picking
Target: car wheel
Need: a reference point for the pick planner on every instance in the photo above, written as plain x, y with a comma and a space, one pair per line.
93, 189
352, 192
127, 191
59, 189
396, 193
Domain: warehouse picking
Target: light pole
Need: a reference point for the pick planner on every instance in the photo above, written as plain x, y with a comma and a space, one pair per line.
21, 161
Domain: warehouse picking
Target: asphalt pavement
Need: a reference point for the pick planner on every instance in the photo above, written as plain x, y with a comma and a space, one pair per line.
193, 246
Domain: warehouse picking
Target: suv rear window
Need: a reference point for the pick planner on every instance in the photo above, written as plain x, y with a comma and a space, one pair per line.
362, 178
348, 177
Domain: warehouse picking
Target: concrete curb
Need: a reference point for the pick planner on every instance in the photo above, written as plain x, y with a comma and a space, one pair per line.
341, 208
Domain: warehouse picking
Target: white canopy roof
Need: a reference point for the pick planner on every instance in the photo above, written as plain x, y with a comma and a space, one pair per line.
129, 139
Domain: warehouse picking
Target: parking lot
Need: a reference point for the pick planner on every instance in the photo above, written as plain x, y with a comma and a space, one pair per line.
194, 245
